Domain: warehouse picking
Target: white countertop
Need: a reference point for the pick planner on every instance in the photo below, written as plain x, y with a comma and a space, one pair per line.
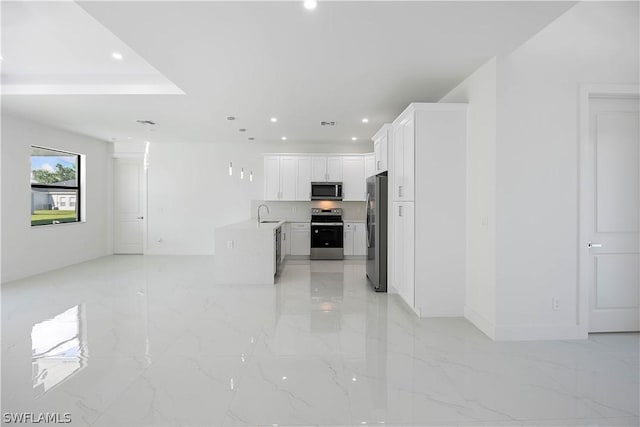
252, 224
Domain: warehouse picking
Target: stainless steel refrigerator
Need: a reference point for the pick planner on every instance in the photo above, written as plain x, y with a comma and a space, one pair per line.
377, 231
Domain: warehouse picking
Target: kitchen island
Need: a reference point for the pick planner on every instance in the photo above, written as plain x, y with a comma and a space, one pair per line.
246, 253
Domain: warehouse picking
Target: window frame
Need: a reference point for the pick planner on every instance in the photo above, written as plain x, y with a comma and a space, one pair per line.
77, 187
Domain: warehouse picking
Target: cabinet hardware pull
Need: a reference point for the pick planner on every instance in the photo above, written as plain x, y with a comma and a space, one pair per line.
594, 245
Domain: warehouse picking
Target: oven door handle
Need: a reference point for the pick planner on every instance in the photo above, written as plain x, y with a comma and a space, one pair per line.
327, 223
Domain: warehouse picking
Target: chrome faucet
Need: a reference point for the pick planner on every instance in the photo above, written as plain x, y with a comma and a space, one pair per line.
259, 211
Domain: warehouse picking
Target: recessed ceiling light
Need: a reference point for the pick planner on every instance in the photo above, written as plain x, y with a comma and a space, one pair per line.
353, 138
242, 130
365, 120
274, 119
230, 118
310, 4
284, 138
251, 138
117, 55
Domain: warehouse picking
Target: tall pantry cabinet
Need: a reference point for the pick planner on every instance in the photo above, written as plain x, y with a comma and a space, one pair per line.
427, 178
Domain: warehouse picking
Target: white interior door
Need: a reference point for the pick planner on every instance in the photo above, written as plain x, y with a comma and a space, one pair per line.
129, 206
610, 215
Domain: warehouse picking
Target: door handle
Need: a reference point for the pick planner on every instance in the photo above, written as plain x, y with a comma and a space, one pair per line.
594, 245
140, 217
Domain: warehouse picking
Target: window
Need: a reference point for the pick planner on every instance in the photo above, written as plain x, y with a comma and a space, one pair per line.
55, 179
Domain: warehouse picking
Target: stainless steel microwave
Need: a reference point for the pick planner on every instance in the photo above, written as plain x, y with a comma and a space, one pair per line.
326, 191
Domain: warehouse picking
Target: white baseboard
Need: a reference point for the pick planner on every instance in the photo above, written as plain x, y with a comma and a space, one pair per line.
522, 332
539, 332
480, 322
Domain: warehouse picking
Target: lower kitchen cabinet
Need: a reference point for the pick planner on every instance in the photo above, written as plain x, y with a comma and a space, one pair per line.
403, 268
355, 238
300, 238
286, 240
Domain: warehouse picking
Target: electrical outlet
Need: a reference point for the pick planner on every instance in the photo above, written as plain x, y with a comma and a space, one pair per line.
555, 303
229, 244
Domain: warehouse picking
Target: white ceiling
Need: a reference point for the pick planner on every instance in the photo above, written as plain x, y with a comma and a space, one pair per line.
58, 48
253, 60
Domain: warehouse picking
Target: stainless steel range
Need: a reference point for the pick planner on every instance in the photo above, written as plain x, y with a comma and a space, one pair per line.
327, 231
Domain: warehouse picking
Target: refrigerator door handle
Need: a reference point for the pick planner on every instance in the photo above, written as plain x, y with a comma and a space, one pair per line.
368, 228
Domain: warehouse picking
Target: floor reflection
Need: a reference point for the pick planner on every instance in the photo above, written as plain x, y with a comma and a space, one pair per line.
327, 292
59, 349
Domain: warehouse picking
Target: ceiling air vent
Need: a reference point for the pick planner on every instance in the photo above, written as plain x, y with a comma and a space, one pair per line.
146, 122
323, 123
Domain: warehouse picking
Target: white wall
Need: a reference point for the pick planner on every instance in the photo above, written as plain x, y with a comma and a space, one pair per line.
30, 250
479, 90
537, 161
522, 168
190, 192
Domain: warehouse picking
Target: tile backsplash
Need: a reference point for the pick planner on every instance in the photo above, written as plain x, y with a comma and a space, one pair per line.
301, 211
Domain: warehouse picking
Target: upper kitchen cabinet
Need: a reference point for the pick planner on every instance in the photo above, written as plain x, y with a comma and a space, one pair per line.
353, 178
280, 177
289, 177
272, 178
303, 190
381, 148
369, 165
326, 169
402, 172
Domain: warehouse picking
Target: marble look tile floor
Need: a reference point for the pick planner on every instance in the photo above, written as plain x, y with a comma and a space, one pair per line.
150, 341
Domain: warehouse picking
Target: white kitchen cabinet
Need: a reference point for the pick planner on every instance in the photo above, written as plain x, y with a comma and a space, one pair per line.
428, 178
369, 165
403, 158
326, 169
381, 148
300, 238
272, 178
355, 239
403, 272
280, 175
288, 178
347, 241
286, 240
319, 169
303, 190
334, 169
360, 239
353, 178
